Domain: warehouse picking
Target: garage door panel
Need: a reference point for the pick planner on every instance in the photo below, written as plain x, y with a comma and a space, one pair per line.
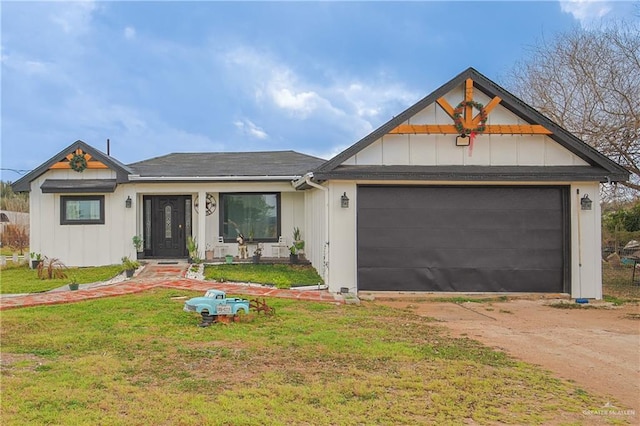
488, 259
459, 238
462, 238
460, 280
393, 218
476, 197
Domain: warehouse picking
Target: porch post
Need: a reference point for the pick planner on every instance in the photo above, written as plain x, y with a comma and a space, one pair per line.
202, 216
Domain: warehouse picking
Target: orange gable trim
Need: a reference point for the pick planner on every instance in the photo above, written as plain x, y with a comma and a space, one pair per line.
469, 121
91, 162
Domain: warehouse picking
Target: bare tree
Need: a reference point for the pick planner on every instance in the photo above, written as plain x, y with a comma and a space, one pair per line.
16, 237
588, 81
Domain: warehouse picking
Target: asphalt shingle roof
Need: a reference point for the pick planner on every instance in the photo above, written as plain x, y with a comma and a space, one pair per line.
227, 164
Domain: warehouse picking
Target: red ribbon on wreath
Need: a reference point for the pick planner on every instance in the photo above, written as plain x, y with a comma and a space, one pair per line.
472, 132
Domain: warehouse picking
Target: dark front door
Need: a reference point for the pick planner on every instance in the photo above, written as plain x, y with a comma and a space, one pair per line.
169, 225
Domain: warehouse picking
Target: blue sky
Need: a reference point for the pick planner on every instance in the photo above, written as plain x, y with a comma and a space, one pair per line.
315, 77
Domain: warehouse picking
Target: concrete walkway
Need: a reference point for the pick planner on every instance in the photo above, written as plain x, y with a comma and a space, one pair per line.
155, 275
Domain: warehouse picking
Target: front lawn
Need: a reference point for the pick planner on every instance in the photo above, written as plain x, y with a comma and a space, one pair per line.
139, 360
279, 275
21, 279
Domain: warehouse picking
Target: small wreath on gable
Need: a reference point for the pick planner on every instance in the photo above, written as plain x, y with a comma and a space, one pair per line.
457, 118
78, 162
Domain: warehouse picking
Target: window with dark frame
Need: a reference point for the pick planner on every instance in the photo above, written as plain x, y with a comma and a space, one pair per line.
82, 210
254, 215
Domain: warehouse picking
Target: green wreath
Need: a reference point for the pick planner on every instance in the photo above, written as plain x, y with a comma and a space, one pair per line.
78, 162
457, 118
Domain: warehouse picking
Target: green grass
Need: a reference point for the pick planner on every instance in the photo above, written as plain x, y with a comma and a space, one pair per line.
139, 359
8, 252
279, 275
21, 279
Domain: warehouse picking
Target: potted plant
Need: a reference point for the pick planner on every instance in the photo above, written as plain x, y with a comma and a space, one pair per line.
36, 259
138, 243
257, 254
73, 284
298, 246
293, 254
129, 266
208, 253
192, 249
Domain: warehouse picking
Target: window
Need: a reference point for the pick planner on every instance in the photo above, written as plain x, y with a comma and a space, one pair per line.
82, 210
256, 216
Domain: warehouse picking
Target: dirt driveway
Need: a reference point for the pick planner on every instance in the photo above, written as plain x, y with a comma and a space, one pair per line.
598, 349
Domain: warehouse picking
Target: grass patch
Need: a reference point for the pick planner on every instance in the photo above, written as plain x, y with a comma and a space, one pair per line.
22, 279
279, 275
463, 299
139, 359
617, 301
570, 305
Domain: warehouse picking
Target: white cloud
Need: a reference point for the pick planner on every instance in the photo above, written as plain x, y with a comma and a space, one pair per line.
371, 100
129, 33
247, 127
25, 66
588, 12
301, 102
349, 105
75, 17
276, 83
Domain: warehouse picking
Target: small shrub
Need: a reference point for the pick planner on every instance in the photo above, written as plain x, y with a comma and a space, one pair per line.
51, 269
129, 264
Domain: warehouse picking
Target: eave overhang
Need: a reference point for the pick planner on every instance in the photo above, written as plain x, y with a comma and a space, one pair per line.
470, 173
78, 186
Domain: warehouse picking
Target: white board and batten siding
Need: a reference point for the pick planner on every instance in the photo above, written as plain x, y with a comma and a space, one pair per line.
488, 150
81, 245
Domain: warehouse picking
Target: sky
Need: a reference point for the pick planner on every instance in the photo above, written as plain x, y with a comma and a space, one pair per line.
206, 76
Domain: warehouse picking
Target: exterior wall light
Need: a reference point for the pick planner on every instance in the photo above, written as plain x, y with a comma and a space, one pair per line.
128, 202
344, 201
585, 202
463, 140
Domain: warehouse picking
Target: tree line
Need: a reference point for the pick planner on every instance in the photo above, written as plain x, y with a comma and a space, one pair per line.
11, 201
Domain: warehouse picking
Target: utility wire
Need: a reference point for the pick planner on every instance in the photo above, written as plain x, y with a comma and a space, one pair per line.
20, 172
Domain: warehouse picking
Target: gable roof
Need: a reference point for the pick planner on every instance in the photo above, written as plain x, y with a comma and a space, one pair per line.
612, 170
122, 172
285, 165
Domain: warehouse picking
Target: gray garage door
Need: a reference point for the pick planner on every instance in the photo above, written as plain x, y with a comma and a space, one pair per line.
489, 239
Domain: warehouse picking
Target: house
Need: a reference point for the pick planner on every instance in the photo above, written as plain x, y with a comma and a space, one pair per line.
468, 190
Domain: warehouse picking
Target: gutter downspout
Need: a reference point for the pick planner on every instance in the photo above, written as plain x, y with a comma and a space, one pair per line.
307, 180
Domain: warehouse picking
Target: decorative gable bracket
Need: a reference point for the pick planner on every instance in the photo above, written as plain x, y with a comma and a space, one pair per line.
465, 122
79, 160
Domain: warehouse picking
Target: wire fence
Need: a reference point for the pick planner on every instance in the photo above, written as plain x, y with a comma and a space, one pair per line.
622, 280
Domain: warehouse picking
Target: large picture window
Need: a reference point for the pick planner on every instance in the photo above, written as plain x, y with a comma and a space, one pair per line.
256, 216
82, 210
